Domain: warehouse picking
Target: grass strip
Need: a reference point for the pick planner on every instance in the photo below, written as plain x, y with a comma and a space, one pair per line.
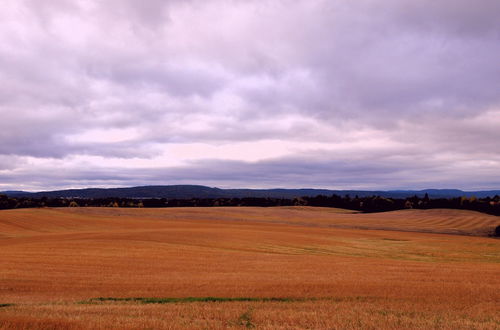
189, 300
144, 300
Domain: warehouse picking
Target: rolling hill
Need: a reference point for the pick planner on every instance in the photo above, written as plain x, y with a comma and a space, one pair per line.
197, 191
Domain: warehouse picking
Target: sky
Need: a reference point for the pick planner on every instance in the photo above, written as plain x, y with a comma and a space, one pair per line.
339, 94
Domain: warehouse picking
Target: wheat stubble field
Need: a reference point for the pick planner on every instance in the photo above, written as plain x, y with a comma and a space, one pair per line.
269, 268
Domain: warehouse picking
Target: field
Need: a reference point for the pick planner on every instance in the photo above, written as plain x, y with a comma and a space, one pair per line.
265, 268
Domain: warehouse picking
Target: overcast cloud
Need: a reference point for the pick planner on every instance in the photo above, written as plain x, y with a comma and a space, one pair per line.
366, 94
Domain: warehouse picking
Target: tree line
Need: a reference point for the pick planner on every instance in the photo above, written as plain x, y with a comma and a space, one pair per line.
490, 205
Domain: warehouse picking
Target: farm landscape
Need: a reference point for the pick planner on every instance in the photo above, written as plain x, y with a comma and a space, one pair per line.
267, 164
243, 267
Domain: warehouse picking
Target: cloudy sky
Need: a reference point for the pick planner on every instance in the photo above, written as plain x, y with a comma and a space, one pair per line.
365, 94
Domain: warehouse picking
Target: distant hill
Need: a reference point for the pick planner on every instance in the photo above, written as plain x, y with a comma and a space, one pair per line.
196, 191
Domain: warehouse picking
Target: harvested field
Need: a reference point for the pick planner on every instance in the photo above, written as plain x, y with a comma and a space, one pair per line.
247, 267
445, 221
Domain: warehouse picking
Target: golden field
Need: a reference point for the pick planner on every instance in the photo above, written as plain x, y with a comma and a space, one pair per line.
289, 267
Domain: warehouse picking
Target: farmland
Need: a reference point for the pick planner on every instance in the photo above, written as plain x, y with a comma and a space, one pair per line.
286, 267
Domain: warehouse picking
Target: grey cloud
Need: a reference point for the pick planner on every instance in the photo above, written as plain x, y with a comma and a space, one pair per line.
153, 12
177, 81
377, 61
452, 17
